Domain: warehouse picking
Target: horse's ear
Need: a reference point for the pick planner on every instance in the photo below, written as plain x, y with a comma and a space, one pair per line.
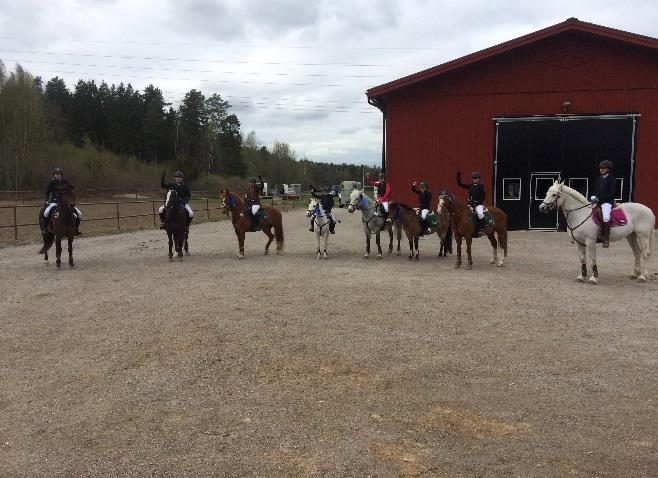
562, 182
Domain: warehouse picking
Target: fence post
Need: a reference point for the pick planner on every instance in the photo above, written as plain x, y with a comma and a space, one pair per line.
15, 226
118, 222
153, 205
208, 208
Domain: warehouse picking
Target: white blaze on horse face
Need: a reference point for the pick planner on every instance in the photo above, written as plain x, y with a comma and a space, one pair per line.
311, 207
552, 195
168, 197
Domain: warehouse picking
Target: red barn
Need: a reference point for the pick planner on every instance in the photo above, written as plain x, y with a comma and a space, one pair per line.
550, 104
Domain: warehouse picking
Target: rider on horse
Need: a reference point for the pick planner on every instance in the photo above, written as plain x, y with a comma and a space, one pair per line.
52, 198
327, 202
252, 197
183, 193
476, 197
424, 201
605, 187
383, 188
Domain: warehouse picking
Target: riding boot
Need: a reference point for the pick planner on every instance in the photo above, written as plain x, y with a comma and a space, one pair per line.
162, 219
606, 234
46, 236
312, 228
77, 226
332, 226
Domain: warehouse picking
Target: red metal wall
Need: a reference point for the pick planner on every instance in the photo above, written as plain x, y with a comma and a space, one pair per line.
444, 125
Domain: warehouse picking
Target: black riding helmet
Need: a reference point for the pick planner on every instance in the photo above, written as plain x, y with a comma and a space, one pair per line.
252, 179
58, 171
606, 164
423, 184
475, 175
179, 174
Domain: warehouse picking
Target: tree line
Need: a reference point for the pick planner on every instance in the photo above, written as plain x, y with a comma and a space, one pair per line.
117, 137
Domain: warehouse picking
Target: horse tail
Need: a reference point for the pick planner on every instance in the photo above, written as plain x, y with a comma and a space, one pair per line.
278, 235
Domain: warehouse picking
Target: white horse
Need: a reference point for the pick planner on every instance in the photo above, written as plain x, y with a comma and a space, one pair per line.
373, 223
577, 212
321, 222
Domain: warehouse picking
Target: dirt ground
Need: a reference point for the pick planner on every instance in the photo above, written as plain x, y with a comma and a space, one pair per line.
129, 365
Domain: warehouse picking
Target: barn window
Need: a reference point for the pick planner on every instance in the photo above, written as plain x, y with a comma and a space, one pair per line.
542, 185
512, 189
620, 189
580, 184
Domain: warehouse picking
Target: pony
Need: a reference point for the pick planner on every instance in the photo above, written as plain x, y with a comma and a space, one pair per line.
413, 229
321, 222
235, 209
372, 223
444, 231
577, 211
463, 229
175, 225
61, 224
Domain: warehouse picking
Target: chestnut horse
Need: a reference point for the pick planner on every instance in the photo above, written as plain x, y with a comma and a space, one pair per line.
463, 229
444, 231
61, 224
234, 208
176, 225
408, 218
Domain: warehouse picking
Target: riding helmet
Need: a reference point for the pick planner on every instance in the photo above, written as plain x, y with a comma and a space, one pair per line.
423, 184
605, 164
58, 171
475, 175
179, 174
381, 175
252, 179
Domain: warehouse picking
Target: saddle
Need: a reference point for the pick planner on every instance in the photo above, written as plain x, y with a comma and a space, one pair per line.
617, 217
255, 220
430, 222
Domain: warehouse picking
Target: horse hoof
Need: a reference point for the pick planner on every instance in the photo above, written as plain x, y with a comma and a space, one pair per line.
59, 266
240, 256
492, 261
458, 265
580, 278
266, 252
469, 267
379, 256
366, 256
319, 256
593, 280
187, 253
71, 265
500, 264
397, 253
642, 278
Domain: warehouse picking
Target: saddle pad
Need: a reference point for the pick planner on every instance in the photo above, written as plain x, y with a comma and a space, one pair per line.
617, 218
488, 219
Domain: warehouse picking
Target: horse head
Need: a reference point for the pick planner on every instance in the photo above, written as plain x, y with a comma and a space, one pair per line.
358, 200
313, 208
66, 194
445, 202
553, 197
228, 201
172, 198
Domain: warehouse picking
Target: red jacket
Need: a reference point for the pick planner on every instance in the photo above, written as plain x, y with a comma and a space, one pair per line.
383, 189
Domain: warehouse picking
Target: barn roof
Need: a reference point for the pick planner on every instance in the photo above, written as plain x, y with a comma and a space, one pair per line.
569, 25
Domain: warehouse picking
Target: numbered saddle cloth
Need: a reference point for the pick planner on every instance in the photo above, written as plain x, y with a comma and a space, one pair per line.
617, 217
431, 220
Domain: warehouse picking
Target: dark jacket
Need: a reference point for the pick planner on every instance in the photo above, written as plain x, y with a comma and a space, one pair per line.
424, 198
326, 200
252, 196
183, 192
605, 187
476, 194
52, 191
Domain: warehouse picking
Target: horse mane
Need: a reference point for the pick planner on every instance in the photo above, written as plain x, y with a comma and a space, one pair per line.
574, 194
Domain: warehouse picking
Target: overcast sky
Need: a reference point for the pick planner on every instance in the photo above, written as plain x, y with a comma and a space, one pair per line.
295, 71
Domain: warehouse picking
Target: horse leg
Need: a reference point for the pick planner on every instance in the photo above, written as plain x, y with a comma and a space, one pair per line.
241, 244
179, 246
583, 263
635, 246
326, 241
185, 246
594, 278
270, 238
70, 240
390, 235
367, 254
410, 238
469, 242
644, 245
171, 244
318, 236
379, 245
58, 251
494, 245
399, 238
458, 240
417, 251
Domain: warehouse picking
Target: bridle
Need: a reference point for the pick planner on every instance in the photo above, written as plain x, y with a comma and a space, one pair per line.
553, 204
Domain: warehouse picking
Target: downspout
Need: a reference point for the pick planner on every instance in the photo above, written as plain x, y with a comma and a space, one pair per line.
380, 106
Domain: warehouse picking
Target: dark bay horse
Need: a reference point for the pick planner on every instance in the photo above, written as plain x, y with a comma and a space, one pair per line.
234, 207
408, 218
444, 231
61, 224
463, 229
176, 224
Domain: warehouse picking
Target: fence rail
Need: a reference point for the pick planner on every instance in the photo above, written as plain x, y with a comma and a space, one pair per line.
106, 216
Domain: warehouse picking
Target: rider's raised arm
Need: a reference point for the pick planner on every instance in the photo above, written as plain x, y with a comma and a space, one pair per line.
459, 182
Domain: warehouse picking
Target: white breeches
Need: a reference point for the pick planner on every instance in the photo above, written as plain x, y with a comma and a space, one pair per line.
479, 209
187, 208
385, 206
424, 213
46, 213
254, 209
606, 208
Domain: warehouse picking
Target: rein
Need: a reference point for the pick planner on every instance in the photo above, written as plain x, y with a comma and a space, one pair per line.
566, 215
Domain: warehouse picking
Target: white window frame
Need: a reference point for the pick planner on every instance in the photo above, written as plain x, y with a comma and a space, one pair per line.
621, 190
505, 189
536, 182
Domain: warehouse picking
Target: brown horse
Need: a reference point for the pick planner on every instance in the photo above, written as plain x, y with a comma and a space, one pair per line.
234, 208
444, 231
61, 224
408, 217
463, 229
176, 225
